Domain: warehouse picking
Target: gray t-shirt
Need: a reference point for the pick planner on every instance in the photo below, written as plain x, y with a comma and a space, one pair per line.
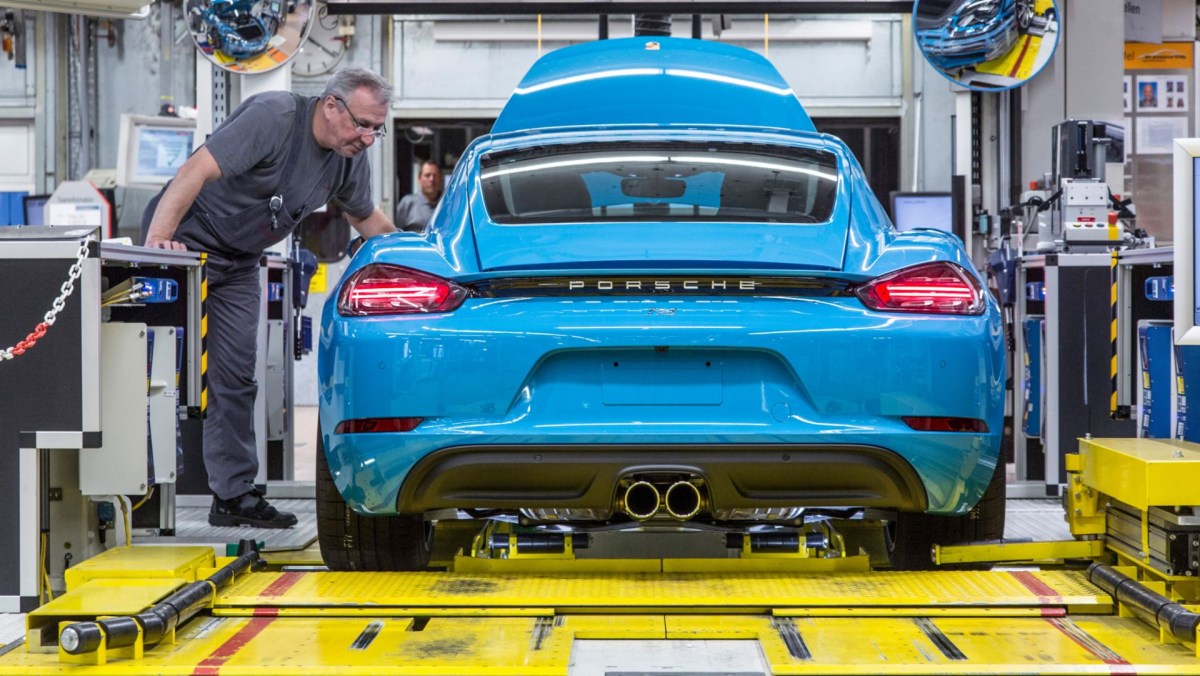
413, 212
251, 147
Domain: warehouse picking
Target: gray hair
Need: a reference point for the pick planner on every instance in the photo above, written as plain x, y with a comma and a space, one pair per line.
347, 80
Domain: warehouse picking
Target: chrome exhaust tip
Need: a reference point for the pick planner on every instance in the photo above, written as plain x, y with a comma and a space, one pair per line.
682, 500
641, 500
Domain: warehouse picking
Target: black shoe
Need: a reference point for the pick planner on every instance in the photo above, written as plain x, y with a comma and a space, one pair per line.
250, 509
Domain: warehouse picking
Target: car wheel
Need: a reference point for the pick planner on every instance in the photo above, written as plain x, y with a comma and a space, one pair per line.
912, 536
1025, 14
350, 541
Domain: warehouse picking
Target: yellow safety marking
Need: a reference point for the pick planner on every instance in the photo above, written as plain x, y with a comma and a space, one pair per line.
919, 611
310, 556
746, 592
1143, 473
964, 646
140, 563
1112, 331
91, 600
475, 565
769, 564
387, 646
1017, 62
320, 279
847, 564
375, 611
203, 334
1019, 551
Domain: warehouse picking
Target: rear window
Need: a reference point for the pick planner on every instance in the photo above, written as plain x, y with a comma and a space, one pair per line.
600, 182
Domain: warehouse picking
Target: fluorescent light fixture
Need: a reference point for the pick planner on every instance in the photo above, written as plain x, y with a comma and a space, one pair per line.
111, 9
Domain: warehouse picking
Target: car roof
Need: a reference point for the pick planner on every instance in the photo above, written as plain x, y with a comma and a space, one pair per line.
652, 80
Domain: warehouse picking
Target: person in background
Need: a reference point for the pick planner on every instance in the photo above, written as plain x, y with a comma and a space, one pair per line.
277, 158
414, 211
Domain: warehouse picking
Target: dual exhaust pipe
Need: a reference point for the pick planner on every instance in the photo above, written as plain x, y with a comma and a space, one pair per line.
681, 500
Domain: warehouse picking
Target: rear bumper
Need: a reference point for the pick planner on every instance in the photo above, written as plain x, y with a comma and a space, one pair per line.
682, 377
585, 476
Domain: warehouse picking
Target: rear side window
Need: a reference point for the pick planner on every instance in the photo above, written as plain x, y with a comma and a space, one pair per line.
610, 182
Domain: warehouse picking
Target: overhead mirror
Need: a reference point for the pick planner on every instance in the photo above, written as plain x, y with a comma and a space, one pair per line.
987, 45
249, 36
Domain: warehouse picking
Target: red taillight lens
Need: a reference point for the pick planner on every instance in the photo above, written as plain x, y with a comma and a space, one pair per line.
946, 424
380, 289
377, 425
933, 288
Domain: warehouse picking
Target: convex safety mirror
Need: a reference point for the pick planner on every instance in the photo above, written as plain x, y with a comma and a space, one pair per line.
249, 36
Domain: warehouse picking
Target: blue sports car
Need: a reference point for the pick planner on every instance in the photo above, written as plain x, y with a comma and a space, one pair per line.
957, 33
241, 29
655, 296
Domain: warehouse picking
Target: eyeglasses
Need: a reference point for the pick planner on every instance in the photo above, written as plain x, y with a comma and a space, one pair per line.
378, 131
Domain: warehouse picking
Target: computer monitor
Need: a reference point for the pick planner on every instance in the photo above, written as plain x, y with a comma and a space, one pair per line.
152, 149
34, 207
1187, 240
923, 210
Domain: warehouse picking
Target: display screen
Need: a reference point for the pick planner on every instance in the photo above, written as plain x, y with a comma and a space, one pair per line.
160, 153
35, 209
1195, 240
924, 210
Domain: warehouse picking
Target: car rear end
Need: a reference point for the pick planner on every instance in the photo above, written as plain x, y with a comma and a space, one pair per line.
600, 318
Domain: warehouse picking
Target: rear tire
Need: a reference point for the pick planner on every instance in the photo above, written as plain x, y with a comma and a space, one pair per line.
912, 536
350, 541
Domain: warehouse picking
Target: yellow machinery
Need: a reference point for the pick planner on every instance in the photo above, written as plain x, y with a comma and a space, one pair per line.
1119, 598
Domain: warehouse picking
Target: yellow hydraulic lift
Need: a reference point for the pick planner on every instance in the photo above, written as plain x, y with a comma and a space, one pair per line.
1119, 598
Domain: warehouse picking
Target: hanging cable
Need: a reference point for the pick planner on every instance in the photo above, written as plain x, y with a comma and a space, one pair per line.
144, 500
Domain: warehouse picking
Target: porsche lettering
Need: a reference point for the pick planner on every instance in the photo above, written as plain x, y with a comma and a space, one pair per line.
661, 285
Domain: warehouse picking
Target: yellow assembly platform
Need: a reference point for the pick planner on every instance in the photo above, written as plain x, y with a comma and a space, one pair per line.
807, 615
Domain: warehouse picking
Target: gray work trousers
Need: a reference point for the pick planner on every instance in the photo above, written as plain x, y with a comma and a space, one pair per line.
234, 299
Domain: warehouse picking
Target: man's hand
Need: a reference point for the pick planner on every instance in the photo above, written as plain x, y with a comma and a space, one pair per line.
377, 223
159, 243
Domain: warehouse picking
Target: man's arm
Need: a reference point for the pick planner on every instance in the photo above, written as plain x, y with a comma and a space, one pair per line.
376, 224
199, 170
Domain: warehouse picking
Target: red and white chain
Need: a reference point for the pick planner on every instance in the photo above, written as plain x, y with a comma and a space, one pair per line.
59, 303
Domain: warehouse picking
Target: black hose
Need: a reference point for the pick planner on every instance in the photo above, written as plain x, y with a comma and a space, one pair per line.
1154, 608
156, 622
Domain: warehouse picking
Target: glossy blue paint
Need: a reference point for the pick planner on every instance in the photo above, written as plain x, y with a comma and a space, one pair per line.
683, 82
755, 369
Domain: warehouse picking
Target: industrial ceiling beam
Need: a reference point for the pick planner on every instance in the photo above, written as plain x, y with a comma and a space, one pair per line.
595, 7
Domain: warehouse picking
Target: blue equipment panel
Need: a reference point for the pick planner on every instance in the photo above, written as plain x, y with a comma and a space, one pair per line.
1154, 357
1187, 390
1160, 288
1034, 328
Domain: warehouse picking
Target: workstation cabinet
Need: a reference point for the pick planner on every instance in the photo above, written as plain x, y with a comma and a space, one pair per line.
90, 407
1070, 294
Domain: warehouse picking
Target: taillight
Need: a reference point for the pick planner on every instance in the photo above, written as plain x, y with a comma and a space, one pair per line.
933, 288
380, 289
364, 425
937, 424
